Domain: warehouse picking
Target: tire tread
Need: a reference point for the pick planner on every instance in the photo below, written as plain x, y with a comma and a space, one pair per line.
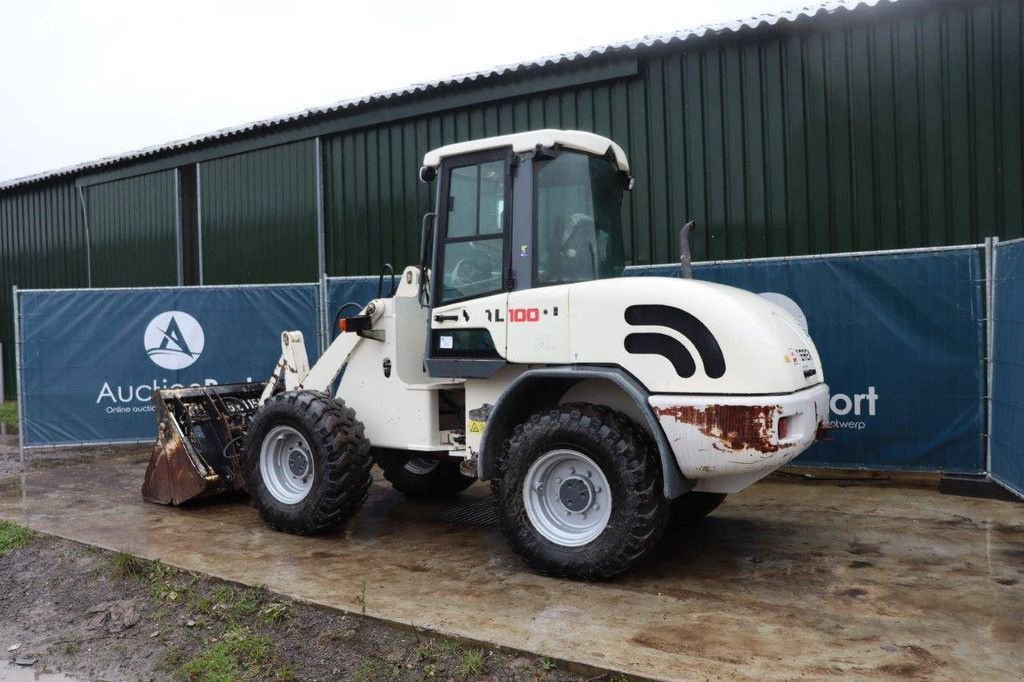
346, 480
637, 464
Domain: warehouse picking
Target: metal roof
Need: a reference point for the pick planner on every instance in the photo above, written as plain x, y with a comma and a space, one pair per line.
649, 41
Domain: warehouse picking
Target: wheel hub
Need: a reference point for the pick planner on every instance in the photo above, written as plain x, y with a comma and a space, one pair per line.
576, 494
567, 497
286, 464
298, 463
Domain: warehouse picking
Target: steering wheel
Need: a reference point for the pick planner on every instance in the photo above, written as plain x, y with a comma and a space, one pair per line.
570, 240
468, 272
581, 229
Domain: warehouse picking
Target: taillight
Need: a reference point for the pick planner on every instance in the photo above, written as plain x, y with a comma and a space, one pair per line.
784, 427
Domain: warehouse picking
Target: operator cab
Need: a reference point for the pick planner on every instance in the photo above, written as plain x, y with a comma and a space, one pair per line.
525, 210
515, 212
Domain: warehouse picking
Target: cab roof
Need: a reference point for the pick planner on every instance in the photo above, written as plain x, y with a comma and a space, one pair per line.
524, 142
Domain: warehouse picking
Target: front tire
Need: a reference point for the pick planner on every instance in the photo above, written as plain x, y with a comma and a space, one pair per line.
422, 477
307, 463
579, 492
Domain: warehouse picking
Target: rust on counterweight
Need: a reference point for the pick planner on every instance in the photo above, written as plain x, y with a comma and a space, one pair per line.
736, 427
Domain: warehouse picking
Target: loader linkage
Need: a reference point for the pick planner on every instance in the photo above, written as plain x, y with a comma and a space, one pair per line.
199, 445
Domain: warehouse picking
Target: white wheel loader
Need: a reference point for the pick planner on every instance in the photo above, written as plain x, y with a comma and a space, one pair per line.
595, 405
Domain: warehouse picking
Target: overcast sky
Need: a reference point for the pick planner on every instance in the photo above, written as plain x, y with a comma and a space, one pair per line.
83, 80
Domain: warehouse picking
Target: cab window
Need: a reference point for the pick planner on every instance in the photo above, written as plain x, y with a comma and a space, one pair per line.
474, 246
578, 219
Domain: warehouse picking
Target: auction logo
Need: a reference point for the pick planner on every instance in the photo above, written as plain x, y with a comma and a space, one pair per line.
174, 340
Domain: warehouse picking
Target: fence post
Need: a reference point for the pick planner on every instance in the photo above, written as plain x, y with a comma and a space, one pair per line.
17, 376
324, 324
990, 311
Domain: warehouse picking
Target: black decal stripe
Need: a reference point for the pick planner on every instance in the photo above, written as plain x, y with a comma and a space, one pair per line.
666, 347
687, 325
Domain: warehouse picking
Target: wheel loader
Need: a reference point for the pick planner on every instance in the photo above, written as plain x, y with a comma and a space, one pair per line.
596, 405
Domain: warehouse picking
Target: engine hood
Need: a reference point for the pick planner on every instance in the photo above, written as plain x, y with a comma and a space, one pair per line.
688, 336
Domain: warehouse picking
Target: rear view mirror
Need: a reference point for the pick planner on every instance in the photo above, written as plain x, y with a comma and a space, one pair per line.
426, 239
426, 253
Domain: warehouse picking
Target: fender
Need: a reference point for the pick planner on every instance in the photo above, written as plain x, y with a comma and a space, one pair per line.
519, 400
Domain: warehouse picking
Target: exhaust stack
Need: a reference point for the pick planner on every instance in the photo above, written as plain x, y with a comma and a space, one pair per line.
684, 250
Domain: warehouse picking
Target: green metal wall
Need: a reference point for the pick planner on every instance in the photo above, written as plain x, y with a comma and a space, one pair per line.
42, 245
132, 231
258, 214
373, 198
887, 127
895, 128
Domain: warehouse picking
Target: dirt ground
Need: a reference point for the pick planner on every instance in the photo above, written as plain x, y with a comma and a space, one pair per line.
97, 615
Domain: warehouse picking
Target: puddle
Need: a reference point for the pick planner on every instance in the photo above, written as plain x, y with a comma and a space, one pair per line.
9, 672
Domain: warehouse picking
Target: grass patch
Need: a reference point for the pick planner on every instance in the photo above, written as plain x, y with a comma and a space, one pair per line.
173, 591
224, 594
173, 658
274, 612
425, 652
374, 669
13, 536
434, 649
239, 654
200, 604
156, 571
248, 603
472, 663
446, 647
124, 564
9, 413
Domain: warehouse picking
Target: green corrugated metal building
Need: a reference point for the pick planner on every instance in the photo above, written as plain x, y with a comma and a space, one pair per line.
846, 128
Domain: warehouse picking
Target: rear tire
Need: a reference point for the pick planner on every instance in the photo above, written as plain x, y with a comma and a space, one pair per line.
313, 472
422, 477
690, 508
567, 519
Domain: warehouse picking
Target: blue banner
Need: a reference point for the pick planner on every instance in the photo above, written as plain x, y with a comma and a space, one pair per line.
91, 359
901, 337
1008, 367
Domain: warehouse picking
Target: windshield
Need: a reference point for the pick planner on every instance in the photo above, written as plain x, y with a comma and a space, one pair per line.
579, 222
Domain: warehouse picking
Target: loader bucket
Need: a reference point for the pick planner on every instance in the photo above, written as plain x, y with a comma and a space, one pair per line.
200, 441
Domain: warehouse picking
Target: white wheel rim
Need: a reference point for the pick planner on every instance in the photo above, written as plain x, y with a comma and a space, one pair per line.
421, 466
286, 465
567, 498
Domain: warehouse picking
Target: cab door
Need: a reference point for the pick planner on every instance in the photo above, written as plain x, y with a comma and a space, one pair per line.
471, 266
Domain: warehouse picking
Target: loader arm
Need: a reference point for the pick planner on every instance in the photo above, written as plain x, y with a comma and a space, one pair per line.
293, 369
201, 429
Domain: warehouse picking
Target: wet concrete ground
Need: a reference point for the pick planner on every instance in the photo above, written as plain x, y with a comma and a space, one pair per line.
787, 579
